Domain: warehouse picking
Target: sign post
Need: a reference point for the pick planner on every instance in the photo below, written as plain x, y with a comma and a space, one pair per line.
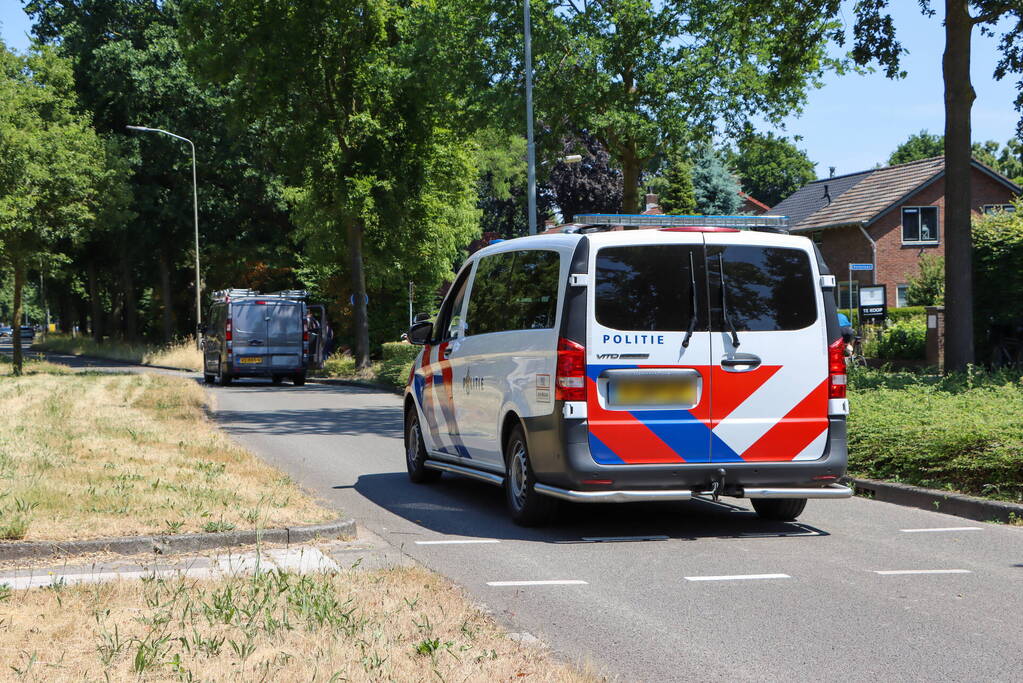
857, 267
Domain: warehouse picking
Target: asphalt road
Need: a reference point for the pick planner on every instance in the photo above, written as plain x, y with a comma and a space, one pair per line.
823, 598
811, 604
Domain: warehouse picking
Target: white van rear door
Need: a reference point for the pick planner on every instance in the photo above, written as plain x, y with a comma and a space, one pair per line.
768, 348
648, 349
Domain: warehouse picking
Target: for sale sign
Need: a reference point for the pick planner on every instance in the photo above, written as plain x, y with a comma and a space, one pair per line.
873, 303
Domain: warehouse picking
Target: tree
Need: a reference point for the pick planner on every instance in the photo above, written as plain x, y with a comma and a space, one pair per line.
716, 190
770, 168
875, 39
922, 145
678, 195
928, 288
360, 90
645, 75
51, 162
592, 185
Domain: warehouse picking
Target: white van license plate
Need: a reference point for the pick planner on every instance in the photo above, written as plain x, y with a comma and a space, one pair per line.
251, 360
652, 392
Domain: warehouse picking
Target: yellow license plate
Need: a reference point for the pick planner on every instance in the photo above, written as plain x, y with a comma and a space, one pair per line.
251, 360
639, 392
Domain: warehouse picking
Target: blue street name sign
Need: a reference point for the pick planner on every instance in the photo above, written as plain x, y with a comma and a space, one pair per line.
861, 266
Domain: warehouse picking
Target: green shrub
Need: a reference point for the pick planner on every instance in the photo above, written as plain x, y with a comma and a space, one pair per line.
902, 340
906, 313
961, 432
397, 363
341, 364
998, 277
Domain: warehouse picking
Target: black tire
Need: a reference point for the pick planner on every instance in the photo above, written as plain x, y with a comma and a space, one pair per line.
779, 509
223, 378
208, 379
415, 451
298, 380
526, 506
276, 379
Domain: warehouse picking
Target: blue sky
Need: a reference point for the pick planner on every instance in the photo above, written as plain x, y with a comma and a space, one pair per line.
854, 121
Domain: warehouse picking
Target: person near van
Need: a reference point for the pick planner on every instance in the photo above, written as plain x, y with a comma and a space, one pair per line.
645, 365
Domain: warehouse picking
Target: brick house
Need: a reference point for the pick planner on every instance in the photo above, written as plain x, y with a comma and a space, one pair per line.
889, 217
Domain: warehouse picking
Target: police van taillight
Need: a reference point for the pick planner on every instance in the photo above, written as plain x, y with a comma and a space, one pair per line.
227, 330
836, 369
570, 379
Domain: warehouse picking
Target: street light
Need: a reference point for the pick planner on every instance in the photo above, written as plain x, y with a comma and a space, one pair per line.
530, 147
195, 207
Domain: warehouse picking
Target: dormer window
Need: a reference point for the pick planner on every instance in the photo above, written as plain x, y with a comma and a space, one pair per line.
919, 225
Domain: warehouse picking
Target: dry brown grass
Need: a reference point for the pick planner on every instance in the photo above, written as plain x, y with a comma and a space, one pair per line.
85, 456
402, 624
179, 354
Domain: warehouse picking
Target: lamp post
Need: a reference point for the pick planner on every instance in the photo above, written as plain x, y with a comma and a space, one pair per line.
530, 146
195, 208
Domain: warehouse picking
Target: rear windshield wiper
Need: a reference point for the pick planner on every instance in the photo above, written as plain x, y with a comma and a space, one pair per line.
692, 303
724, 302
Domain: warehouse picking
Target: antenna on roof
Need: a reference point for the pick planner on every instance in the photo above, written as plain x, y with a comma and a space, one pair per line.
831, 170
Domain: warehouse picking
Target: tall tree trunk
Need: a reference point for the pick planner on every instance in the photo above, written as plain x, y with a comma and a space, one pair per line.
166, 297
630, 179
95, 305
131, 319
959, 96
361, 331
19, 284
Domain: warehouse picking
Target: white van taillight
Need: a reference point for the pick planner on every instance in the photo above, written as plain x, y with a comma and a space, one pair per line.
836, 369
228, 336
570, 380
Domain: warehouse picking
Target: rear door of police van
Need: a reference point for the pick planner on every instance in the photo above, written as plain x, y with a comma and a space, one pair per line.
648, 351
769, 349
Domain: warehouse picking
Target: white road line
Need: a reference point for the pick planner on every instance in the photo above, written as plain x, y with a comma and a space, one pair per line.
897, 572
945, 528
564, 582
738, 577
459, 541
602, 539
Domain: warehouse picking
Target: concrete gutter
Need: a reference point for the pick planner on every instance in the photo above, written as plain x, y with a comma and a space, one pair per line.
178, 543
958, 504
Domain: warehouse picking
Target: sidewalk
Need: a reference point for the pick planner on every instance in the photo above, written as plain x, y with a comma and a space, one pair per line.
366, 552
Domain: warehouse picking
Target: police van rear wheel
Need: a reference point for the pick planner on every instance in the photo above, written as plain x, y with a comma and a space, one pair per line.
527, 507
779, 509
415, 451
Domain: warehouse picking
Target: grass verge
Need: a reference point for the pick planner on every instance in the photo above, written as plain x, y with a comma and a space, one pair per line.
400, 624
89, 455
961, 432
393, 369
179, 354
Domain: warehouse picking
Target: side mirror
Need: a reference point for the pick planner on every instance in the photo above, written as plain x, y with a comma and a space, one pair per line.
420, 317
420, 333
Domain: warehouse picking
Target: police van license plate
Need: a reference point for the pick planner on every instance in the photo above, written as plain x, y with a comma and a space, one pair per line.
251, 360
652, 391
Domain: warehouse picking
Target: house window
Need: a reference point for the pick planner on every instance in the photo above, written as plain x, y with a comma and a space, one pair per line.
919, 225
901, 295
996, 208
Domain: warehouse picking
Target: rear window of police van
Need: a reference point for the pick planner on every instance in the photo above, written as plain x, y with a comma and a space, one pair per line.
649, 287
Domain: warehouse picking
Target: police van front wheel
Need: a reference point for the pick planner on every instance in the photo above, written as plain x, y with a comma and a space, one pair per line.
415, 451
779, 509
527, 507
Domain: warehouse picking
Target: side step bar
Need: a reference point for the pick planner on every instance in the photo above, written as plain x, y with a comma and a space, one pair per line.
611, 496
830, 491
488, 477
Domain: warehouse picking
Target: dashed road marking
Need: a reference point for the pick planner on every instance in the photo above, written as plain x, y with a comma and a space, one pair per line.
557, 582
898, 572
945, 528
459, 541
738, 577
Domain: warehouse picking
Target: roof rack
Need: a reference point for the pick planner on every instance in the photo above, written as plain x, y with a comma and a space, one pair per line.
761, 223
235, 294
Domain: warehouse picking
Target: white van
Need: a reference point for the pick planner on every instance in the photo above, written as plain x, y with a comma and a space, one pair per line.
608, 365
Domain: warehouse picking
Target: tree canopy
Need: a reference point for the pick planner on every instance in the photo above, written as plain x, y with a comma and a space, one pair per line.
770, 168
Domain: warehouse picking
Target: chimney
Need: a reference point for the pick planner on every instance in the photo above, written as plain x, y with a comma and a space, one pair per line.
831, 169
651, 202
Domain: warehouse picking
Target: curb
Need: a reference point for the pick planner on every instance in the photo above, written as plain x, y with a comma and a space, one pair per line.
357, 383
958, 504
181, 543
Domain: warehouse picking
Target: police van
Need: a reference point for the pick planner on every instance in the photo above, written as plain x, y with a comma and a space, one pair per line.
250, 334
700, 357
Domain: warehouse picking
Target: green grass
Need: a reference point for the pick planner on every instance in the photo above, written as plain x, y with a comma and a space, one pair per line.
962, 432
